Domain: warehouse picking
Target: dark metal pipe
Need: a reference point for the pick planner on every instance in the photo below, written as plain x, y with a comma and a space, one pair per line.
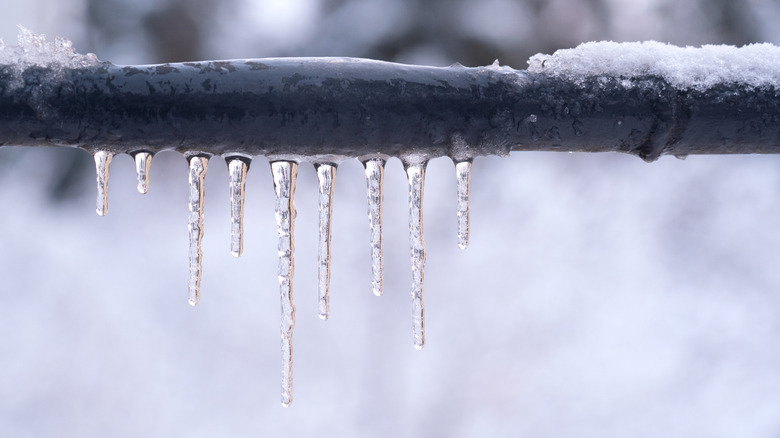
321, 107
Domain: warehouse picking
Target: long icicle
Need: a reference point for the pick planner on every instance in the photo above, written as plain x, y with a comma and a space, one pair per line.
284, 173
102, 164
237, 168
326, 174
375, 172
143, 162
197, 175
463, 175
416, 175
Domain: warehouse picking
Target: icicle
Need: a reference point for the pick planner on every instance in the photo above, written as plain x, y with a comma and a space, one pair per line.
143, 162
237, 168
284, 173
198, 165
463, 174
416, 175
102, 163
326, 174
375, 172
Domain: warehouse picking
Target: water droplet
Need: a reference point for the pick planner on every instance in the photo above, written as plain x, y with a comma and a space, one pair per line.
284, 173
197, 175
102, 163
237, 168
326, 174
143, 162
375, 174
463, 176
416, 175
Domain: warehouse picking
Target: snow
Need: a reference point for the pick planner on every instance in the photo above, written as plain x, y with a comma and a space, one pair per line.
33, 50
754, 65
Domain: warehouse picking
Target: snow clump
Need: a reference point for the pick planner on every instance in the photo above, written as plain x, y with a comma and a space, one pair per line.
700, 68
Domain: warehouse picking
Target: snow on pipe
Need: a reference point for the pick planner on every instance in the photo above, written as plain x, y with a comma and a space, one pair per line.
647, 99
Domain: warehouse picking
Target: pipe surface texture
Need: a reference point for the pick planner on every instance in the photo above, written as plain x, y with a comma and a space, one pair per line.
325, 109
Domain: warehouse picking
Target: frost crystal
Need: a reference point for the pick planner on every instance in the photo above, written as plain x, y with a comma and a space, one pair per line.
754, 65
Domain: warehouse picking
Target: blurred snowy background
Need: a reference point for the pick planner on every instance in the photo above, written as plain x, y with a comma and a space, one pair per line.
600, 296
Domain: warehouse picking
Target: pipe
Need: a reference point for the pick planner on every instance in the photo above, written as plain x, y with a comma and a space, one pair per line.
321, 109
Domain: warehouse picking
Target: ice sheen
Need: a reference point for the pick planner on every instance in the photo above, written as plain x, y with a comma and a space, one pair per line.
700, 68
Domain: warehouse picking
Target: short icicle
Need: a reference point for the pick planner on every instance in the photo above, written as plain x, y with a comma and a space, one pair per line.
197, 175
143, 162
237, 168
326, 174
375, 172
416, 175
102, 163
463, 175
284, 173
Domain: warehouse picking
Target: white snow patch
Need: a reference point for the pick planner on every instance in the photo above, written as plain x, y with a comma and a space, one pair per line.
33, 50
754, 65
